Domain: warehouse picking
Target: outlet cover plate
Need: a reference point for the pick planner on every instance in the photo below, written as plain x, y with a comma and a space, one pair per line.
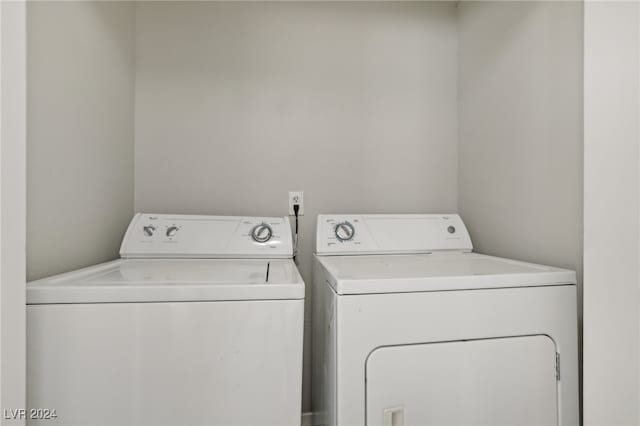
296, 197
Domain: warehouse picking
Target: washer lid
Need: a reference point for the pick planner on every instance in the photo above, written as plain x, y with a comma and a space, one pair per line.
436, 272
172, 280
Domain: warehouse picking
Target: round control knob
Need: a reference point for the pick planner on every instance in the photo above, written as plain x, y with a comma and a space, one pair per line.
344, 231
171, 231
261, 233
148, 230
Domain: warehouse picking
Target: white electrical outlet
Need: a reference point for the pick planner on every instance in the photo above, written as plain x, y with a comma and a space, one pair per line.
296, 197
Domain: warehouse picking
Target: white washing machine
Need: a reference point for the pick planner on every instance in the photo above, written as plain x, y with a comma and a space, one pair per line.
412, 328
199, 323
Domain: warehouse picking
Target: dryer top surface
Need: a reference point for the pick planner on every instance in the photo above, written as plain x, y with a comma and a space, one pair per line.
436, 272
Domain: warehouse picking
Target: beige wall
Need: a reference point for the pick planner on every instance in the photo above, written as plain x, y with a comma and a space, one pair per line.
238, 103
13, 39
520, 121
611, 214
80, 133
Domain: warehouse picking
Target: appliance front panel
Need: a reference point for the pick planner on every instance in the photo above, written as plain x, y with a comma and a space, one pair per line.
490, 382
390, 234
189, 236
364, 323
167, 364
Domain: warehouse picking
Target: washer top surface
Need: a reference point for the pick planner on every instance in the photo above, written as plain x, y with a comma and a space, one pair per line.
435, 272
186, 258
172, 280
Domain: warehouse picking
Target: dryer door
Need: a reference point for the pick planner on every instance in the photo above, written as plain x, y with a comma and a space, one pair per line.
492, 382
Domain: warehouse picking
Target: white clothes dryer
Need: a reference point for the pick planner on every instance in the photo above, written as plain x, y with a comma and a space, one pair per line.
412, 328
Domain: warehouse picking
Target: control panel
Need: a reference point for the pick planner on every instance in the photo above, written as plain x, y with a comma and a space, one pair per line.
389, 234
190, 236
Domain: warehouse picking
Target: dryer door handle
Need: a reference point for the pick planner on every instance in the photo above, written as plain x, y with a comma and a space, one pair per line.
393, 416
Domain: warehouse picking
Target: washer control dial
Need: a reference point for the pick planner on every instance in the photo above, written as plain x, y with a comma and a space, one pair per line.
344, 231
148, 230
261, 233
171, 231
